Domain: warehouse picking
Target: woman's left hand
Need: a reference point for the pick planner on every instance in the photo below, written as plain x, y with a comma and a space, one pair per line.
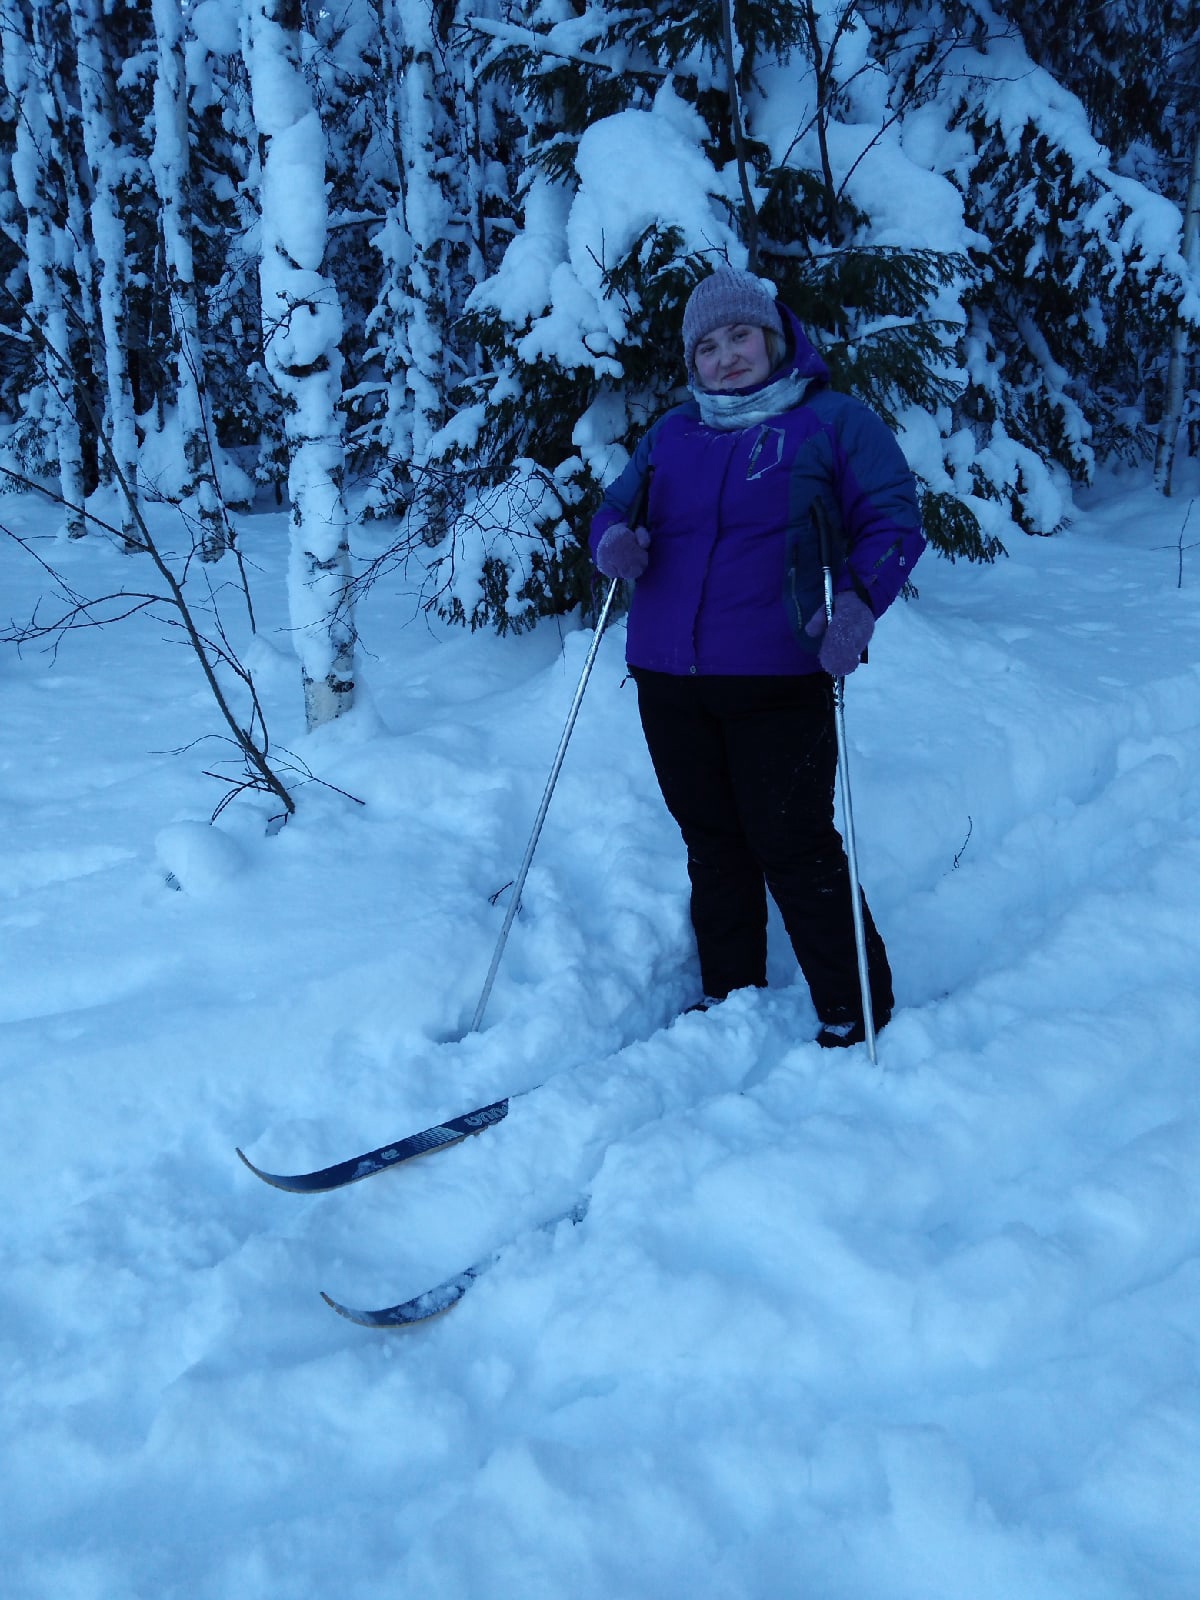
846, 637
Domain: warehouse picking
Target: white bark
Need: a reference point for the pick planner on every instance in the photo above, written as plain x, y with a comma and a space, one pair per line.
75, 259
97, 95
170, 166
410, 325
388, 321
302, 328
426, 216
26, 81
1168, 432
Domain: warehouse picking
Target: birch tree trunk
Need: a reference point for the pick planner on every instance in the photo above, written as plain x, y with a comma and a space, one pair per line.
1168, 430
26, 77
302, 329
427, 216
102, 145
75, 258
410, 324
171, 168
387, 323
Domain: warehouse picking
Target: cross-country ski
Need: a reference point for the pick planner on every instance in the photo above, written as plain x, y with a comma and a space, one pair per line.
441, 1136
434, 1302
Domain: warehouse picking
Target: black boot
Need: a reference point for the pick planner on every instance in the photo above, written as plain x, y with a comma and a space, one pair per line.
841, 1035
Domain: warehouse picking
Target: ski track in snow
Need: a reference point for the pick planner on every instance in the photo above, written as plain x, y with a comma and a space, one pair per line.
830, 1330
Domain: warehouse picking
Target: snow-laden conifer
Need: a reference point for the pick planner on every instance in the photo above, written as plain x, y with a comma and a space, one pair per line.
965, 253
1078, 263
659, 142
1182, 333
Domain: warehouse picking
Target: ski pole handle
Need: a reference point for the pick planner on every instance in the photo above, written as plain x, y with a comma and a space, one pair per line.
820, 517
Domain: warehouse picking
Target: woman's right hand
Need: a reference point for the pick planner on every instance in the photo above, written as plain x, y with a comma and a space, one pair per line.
623, 552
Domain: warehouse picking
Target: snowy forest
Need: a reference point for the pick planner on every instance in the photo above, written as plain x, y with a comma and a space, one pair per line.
322, 329
423, 266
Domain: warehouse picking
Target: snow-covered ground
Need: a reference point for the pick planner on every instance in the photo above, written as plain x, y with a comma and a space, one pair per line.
828, 1331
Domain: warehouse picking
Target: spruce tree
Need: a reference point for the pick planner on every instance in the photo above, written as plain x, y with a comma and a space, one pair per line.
1076, 264
580, 326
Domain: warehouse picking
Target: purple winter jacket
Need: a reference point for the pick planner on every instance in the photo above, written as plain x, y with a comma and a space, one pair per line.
735, 567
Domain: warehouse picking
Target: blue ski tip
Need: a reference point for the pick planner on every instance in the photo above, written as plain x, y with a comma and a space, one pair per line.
439, 1137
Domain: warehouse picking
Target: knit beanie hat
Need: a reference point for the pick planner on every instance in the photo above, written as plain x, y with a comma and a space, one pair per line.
728, 296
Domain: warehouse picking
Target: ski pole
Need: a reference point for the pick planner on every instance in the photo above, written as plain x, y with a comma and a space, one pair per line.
820, 516
519, 882
637, 513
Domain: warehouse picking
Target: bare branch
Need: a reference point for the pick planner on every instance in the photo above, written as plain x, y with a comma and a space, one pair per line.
205, 649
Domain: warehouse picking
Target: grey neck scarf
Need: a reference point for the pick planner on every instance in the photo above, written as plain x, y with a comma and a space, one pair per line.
730, 411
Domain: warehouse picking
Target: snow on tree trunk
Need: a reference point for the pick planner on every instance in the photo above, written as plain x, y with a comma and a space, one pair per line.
1168, 432
302, 329
170, 165
97, 100
386, 323
32, 182
426, 215
410, 324
75, 258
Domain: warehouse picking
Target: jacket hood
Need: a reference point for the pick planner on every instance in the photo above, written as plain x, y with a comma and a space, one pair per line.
802, 358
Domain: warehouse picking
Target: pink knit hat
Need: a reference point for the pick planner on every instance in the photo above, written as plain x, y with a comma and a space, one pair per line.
728, 296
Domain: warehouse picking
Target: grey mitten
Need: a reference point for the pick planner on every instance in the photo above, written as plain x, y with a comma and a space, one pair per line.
623, 552
846, 637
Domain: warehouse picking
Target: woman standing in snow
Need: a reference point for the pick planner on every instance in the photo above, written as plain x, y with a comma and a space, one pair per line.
727, 635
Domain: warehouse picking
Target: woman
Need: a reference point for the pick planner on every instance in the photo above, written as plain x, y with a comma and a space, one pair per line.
727, 636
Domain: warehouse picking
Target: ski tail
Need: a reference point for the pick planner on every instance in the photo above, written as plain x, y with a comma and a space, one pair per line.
433, 1302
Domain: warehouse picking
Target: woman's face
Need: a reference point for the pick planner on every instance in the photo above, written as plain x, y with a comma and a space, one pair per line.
733, 357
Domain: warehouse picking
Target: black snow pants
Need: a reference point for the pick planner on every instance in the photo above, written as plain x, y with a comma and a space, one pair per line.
747, 767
